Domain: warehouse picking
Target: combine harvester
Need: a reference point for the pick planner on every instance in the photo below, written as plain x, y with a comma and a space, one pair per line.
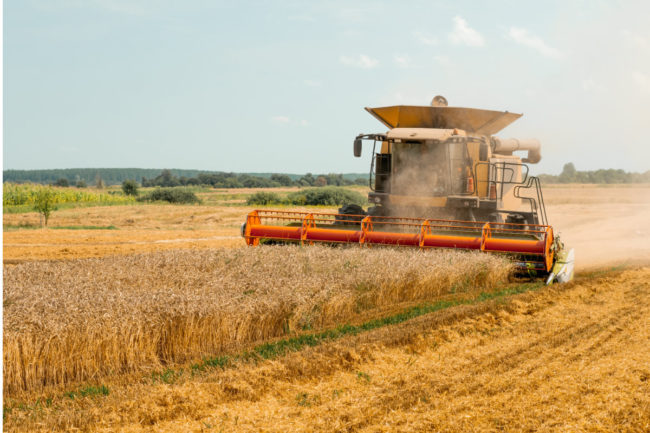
438, 179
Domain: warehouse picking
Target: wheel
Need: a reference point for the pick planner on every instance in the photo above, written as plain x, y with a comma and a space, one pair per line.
516, 218
377, 211
355, 212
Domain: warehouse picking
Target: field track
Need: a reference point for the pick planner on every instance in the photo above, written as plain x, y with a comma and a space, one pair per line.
573, 357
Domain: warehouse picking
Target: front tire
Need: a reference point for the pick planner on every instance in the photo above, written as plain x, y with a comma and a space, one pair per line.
350, 214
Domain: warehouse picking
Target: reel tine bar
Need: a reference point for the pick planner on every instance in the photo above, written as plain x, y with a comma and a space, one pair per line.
531, 243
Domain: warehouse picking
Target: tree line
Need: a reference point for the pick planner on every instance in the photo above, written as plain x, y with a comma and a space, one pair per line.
234, 180
571, 175
178, 177
110, 176
82, 177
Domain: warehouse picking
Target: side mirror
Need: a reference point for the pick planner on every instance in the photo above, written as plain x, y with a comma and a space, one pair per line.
357, 147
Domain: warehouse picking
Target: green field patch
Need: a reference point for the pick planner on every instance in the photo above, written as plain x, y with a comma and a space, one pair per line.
88, 391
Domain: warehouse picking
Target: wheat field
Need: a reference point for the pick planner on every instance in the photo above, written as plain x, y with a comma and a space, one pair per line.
77, 320
88, 336
571, 357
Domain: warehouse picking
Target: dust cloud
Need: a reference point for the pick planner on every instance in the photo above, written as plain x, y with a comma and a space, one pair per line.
427, 169
420, 170
606, 226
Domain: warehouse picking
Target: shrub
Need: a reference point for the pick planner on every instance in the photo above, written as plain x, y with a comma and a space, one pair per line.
130, 187
264, 198
171, 195
326, 196
61, 182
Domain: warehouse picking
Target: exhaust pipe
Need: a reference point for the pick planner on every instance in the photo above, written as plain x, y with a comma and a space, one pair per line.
509, 145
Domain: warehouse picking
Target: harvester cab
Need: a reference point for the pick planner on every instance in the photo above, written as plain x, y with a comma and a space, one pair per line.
439, 178
443, 162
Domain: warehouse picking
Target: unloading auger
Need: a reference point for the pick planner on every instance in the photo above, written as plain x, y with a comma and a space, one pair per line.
438, 179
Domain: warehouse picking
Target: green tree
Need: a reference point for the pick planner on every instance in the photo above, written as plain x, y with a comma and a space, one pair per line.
361, 181
130, 187
282, 179
44, 204
62, 181
167, 178
307, 180
81, 183
568, 174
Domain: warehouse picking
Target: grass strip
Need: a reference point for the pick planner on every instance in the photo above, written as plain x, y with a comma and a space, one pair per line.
279, 348
88, 391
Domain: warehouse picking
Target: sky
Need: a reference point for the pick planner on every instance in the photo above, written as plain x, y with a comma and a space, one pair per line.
280, 86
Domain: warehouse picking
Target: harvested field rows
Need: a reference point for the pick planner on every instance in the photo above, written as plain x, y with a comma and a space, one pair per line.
32, 245
66, 322
573, 357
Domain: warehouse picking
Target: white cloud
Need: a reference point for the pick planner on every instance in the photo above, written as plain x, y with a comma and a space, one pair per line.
312, 83
425, 38
522, 37
363, 61
402, 61
281, 119
304, 123
642, 80
465, 35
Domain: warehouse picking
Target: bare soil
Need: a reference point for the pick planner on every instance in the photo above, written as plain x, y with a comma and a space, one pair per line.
605, 225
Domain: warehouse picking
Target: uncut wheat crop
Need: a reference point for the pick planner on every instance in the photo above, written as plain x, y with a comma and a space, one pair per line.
79, 320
